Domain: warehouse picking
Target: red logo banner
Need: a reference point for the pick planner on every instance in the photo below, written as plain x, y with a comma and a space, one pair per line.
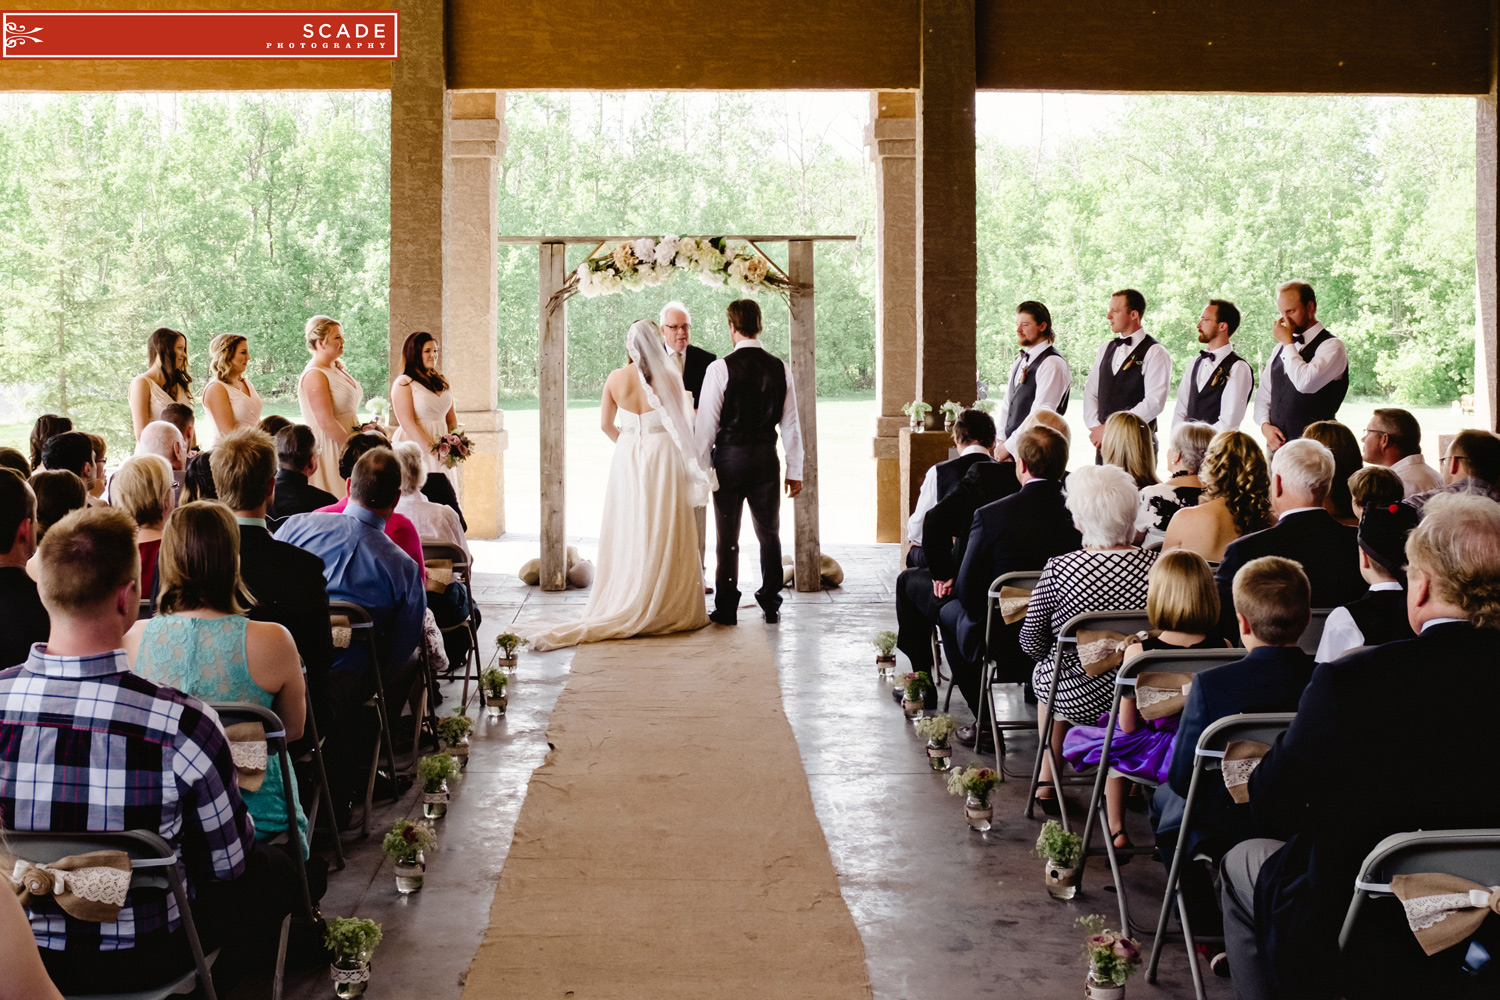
159, 34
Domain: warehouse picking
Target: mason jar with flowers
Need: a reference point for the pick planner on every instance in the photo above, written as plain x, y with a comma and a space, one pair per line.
1112, 956
938, 730
916, 688
351, 941
407, 845
436, 771
976, 784
1062, 851
454, 731
493, 684
885, 653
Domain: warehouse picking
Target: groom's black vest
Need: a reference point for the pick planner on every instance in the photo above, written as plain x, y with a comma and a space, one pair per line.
753, 398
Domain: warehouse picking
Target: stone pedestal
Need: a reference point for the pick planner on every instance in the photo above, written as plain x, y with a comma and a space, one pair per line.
476, 144
918, 451
892, 138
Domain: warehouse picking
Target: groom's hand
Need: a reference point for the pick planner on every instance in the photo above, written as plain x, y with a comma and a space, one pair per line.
793, 487
942, 589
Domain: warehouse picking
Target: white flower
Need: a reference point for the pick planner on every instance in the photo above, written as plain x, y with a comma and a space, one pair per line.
645, 249
588, 285
623, 257
711, 277
666, 249
755, 269
610, 283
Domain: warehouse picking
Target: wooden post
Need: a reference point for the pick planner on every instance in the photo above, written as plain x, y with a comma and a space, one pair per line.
552, 402
805, 380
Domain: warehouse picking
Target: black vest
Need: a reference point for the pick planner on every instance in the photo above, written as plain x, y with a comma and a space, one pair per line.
1123, 389
1020, 395
1205, 405
1380, 617
753, 397
1292, 411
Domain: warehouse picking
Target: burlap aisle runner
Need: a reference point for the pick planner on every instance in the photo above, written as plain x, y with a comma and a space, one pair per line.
668, 848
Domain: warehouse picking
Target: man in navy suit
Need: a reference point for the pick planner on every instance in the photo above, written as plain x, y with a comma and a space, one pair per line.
1336, 783
1301, 475
1020, 532
691, 361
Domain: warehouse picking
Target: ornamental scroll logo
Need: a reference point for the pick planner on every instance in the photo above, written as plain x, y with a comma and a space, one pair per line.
18, 34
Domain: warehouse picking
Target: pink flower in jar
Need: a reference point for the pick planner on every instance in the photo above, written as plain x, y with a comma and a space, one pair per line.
1126, 951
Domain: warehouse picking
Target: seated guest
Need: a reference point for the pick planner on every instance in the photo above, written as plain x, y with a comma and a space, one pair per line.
285, 582
58, 494
23, 619
297, 453
435, 522
1304, 532
1183, 488
163, 438
1183, 607
47, 426
1236, 498
1374, 485
71, 450
142, 488
1128, 443
973, 436
74, 708
181, 416
1472, 465
1379, 616
1339, 440
274, 424
1019, 532
10, 458
398, 527
198, 479
96, 488
1108, 573
1393, 438
1285, 898
25, 976
201, 643
363, 566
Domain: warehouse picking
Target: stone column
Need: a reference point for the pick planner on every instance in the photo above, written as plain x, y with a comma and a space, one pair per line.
476, 144
1487, 230
892, 138
418, 85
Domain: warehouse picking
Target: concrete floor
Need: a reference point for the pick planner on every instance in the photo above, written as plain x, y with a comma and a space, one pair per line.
943, 911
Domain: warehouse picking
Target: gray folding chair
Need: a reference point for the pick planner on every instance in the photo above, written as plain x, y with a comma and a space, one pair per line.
993, 622
463, 570
1313, 634
1186, 661
1208, 757
1123, 621
1470, 854
153, 867
320, 802
362, 629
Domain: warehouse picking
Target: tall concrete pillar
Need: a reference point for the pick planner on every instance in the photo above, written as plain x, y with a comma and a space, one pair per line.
892, 138
476, 143
418, 85
1487, 230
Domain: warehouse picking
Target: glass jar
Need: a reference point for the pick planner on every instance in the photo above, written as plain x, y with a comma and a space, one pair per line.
410, 873
885, 666
1062, 882
978, 813
911, 707
435, 803
939, 755
350, 977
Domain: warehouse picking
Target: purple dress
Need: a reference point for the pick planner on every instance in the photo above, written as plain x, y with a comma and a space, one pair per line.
1145, 753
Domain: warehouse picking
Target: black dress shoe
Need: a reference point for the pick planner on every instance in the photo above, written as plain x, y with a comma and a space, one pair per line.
981, 742
722, 617
772, 617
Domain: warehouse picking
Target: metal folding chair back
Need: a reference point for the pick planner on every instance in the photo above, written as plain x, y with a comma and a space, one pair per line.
1313, 634
1208, 757
320, 803
154, 866
463, 569
361, 625
993, 622
1469, 854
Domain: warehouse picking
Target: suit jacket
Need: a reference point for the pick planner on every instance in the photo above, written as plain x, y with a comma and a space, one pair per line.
1335, 784
288, 587
952, 517
1327, 550
295, 495
694, 364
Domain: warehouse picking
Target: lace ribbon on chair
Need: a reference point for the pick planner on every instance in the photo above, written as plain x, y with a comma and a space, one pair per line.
1100, 650
1241, 758
247, 748
1443, 910
343, 634
1013, 604
88, 886
1160, 694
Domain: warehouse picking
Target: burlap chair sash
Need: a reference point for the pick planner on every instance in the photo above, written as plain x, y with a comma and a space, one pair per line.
1241, 758
247, 747
88, 886
439, 574
1444, 910
343, 634
1013, 604
1100, 650
1160, 694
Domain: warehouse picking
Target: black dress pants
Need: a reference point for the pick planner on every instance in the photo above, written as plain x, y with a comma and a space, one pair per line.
747, 474
916, 614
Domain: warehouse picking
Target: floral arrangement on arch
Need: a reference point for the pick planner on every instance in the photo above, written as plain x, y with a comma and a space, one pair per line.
632, 265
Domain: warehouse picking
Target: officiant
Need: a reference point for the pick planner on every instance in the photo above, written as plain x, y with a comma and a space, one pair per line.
691, 361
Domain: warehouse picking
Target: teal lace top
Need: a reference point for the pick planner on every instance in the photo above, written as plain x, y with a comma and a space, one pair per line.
205, 658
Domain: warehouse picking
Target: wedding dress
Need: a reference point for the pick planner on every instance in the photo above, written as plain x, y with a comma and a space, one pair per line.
648, 580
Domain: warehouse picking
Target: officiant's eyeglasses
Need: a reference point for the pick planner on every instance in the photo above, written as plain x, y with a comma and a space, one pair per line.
676, 326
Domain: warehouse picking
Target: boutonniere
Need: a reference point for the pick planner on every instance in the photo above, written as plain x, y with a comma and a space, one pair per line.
1217, 378
1132, 359
1024, 371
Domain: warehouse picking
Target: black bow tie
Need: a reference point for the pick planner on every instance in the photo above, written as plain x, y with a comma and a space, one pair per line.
1297, 338
1206, 355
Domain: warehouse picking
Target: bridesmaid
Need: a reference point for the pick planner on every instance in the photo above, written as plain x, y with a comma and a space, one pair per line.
330, 398
229, 398
424, 411
165, 382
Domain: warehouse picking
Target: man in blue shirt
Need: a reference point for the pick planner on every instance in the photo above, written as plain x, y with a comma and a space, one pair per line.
364, 567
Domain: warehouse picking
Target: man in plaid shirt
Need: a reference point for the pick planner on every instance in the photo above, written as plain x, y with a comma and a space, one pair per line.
87, 745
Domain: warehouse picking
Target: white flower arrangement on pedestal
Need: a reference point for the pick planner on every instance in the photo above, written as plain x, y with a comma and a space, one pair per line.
632, 265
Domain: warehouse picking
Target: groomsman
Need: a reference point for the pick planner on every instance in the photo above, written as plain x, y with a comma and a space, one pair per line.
1307, 375
1216, 387
1040, 378
1132, 372
691, 361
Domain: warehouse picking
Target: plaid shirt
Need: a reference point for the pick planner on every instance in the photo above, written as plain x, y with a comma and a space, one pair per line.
87, 745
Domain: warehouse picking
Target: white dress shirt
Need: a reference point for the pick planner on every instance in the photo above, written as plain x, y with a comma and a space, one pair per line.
435, 522
1416, 475
1053, 379
1156, 368
1236, 398
1340, 634
927, 496
1306, 376
711, 405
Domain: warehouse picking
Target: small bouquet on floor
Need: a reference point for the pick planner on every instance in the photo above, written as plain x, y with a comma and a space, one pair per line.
452, 448
1112, 958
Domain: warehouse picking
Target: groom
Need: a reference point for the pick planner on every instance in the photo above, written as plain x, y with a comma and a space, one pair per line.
745, 396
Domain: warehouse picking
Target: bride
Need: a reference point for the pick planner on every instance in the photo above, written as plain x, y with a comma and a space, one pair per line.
648, 581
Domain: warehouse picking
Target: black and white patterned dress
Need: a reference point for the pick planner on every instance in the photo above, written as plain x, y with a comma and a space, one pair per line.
1072, 584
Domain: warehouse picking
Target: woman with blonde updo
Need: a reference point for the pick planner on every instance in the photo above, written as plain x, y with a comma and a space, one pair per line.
229, 398
142, 488
330, 398
1127, 443
1236, 498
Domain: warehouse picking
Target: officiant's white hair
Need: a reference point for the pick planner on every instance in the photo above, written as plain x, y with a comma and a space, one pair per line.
674, 304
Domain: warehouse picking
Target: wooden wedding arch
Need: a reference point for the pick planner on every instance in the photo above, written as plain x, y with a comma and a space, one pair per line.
552, 393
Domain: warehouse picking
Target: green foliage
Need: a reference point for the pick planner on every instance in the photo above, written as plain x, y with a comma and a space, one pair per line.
884, 643
455, 727
493, 681
408, 839
509, 642
437, 768
1112, 955
917, 410
1057, 845
351, 938
973, 780
917, 684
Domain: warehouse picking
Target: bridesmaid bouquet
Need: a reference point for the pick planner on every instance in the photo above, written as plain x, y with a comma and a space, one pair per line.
452, 448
